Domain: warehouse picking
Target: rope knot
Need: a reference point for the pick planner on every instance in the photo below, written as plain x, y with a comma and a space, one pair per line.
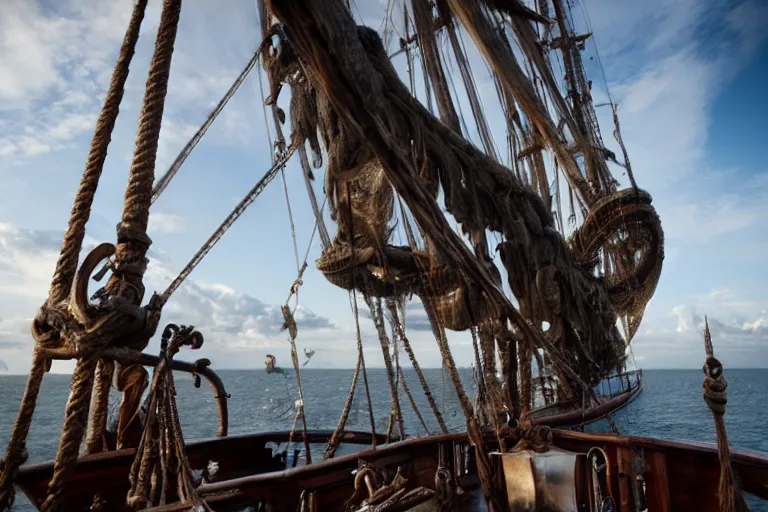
132, 232
714, 386
290, 322
48, 323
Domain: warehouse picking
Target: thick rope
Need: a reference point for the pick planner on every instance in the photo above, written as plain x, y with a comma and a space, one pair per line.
731, 497
16, 452
66, 266
126, 282
102, 383
132, 239
75, 421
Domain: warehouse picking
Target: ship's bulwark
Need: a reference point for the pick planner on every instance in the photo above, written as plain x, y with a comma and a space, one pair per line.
669, 408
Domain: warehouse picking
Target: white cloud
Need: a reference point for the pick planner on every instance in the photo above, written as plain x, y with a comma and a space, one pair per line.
739, 327
68, 128
161, 222
239, 329
26, 62
55, 64
27, 260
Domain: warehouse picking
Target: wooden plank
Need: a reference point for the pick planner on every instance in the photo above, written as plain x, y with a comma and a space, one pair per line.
657, 482
625, 463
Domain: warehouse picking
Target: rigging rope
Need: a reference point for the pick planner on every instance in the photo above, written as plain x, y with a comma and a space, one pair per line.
160, 462
228, 222
163, 182
277, 147
729, 492
395, 413
401, 375
66, 265
290, 324
412, 356
125, 288
353, 300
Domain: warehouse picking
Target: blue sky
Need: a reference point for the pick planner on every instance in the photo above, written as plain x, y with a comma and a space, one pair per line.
688, 75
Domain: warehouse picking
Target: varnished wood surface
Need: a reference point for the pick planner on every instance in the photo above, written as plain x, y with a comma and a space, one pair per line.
677, 475
107, 472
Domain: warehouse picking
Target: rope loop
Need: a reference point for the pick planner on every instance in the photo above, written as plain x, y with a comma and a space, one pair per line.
714, 386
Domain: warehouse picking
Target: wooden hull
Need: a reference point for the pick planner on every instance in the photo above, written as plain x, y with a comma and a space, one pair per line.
551, 417
676, 475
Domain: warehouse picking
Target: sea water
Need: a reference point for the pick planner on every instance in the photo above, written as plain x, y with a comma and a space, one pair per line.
670, 407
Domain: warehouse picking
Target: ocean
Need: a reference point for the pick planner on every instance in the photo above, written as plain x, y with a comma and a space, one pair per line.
670, 407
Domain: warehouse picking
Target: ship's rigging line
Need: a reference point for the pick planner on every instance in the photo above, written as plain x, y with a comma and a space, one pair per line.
278, 146
489, 147
389, 160
235, 214
161, 184
133, 242
279, 161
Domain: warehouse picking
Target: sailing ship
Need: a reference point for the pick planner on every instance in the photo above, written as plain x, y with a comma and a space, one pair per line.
544, 308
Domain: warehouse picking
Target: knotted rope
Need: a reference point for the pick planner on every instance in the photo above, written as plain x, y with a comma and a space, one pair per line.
161, 452
132, 239
118, 320
731, 497
289, 324
69, 255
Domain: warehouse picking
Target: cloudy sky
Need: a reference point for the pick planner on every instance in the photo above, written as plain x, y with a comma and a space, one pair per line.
687, 73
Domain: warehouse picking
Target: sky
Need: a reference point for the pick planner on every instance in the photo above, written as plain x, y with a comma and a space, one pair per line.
688, 76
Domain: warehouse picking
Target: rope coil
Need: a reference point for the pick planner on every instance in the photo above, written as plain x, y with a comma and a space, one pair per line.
714, 385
